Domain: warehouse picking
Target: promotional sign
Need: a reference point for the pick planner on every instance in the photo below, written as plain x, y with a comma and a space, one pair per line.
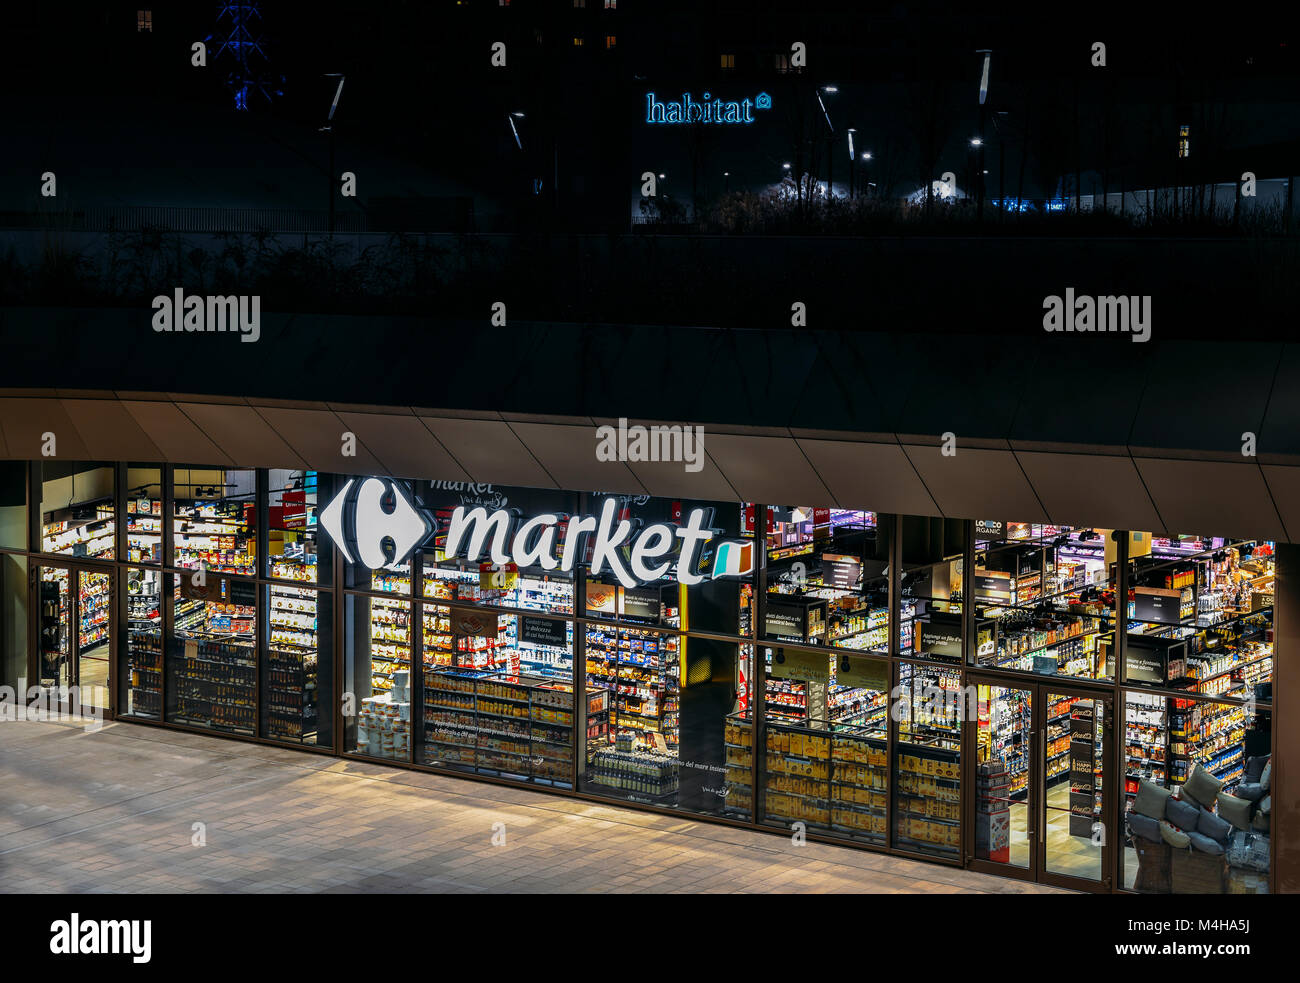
473, 623
641, 603
990, 529
1156, 604
375, 522
993, 585
805, 666
602, 598
941, 635
840, 571
785, 620
542, 631
498, 576
862, 673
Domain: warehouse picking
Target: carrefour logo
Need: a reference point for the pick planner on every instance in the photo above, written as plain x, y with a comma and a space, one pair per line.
375, 522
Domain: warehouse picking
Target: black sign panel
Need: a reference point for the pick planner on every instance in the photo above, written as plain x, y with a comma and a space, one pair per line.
1145, 666
641, 603
1158, 606
992, 586
786, 620
542, 631
941, 635
840, 571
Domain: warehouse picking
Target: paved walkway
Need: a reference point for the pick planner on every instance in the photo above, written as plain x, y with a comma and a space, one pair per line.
115, 811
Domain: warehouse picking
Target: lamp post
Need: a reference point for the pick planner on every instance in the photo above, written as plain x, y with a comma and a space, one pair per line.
510, 118
852, 161
329, 129
830, 90
984, 92
867, 185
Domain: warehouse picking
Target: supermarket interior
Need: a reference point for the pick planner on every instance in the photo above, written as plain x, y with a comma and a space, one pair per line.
1067, 704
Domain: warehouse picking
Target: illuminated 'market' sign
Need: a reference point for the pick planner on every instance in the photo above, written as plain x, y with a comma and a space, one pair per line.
707, 110
375, 522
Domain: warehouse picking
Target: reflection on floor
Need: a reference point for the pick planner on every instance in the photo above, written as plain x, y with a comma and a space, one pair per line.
1075, 856
94, 677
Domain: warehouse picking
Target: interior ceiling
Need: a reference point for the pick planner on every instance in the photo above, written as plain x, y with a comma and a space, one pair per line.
1160, 489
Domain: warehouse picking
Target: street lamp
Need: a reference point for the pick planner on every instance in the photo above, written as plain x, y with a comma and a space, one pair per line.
830, 156
510, 118
984, 92
329, 128
852, 159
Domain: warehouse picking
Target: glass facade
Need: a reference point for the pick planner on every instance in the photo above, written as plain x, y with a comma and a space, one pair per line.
1001, 693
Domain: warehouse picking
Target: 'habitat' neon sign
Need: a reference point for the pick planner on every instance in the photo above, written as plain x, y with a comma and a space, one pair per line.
707, 110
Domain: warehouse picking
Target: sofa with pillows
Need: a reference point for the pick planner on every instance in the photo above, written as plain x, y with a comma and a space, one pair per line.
1203, 840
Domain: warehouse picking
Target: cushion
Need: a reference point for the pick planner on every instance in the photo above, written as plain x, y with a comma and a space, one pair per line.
1203, 843
1248, 850
1266, 774
1266, 804
1202, 787
1253, 791
1174, 837
1260, 824
1232, 809
1218, 827
1182, 813
1144, 826
1150, 800
1255, 768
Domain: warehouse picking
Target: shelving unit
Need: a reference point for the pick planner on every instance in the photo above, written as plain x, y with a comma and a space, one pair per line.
216, 536
290, 700
641, 668
214, 683
144, 528
520, 726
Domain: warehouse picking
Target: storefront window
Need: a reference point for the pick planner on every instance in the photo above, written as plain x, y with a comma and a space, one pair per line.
144, 514
826, 730
825, 578
503, 709
666, 722
77, 514
1201, 615
212, 654
930, 594
215, 524
377, 676
480, 580
291, 527
1198, 796
927, 760
140, 682
1044, 599
298, 673
13, 505
13, 621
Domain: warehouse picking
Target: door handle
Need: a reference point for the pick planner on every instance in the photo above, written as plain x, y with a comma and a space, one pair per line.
1042, 806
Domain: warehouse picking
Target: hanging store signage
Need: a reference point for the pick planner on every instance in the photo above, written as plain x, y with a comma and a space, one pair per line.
641, 603
376, 522
706, 110
542, 631
941, 635
990, 529
1157, 604
473, 623
805, 666
785, 620
861, 673
992, 586
840, 571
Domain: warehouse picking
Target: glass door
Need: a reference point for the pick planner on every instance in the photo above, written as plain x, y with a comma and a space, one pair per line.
1075, 848
94, 637
1041, 784
54, 614
1005, 795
